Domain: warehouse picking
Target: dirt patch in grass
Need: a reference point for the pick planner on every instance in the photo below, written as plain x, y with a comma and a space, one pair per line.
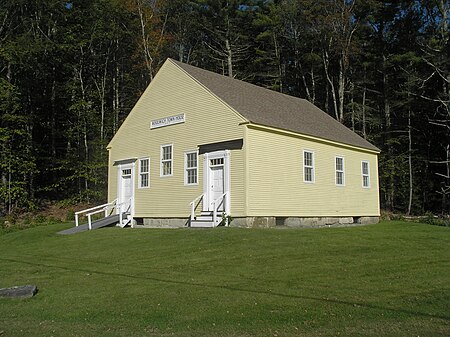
48, 212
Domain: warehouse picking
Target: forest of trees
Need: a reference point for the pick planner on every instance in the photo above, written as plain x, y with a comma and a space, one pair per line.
70, 72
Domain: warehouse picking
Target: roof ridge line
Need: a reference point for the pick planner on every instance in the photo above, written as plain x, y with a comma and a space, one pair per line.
174, 62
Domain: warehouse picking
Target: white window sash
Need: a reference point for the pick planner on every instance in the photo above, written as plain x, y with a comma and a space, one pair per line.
144, 173
163, 161
365, 176
309, 168
340, 172
188, 168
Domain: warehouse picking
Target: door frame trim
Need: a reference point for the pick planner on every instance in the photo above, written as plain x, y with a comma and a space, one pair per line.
225, 154
120, 167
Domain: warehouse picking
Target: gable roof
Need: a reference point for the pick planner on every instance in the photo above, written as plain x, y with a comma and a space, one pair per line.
270, 108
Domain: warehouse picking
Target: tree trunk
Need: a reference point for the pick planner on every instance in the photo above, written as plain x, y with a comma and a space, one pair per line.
53, 112
229, 57
145, 41
352, 101
410, 163
313, 85
278, 57
86, 153
363, 110
341, 90
326, 63
387, 121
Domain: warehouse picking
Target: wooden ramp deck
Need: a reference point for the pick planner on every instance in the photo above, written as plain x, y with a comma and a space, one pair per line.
108, 221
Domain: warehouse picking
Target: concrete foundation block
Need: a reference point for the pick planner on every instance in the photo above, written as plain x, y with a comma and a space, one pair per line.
346, 220
368, 220
315, 222
163, 223
254, 222
238, 222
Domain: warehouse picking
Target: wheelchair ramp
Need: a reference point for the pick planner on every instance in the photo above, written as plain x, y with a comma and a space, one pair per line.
108, 221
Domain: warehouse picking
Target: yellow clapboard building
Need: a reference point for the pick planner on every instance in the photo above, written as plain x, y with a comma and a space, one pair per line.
200, 149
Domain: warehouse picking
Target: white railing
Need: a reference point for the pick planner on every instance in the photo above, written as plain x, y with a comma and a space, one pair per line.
194, 204
223, 199
119, 208
94, 210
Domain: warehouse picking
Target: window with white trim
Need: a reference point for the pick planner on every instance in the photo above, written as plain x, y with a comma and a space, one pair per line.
340, 174
166, 160
191, 168
144, 173
365, 174
308, 166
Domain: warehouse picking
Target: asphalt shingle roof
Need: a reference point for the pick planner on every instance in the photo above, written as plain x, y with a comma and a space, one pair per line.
270, 108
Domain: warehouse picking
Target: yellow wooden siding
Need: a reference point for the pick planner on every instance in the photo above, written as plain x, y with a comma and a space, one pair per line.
208, 120
112, 179
275, 178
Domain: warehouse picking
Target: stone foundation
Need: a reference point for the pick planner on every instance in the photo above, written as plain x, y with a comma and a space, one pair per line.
368, 220
266, 222
254, 222
307, 222
162, 223
317, 222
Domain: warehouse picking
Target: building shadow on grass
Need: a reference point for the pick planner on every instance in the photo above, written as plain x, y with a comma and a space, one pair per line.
233, 288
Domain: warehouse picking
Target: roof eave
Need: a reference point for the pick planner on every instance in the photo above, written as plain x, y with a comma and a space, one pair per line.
373, 150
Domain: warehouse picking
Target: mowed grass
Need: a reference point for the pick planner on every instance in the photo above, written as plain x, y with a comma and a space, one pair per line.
390, 279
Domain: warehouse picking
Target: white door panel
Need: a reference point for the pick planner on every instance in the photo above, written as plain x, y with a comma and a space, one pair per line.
217, 186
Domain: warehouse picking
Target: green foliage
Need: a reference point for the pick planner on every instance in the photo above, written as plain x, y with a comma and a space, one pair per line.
69, 75
70, 215
431, 219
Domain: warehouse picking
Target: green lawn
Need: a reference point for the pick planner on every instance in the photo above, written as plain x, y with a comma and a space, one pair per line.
390, 279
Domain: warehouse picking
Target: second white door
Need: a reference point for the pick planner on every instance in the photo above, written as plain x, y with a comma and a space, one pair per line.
217, 187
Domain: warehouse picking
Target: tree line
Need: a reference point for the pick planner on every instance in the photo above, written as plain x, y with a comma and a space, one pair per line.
70, 72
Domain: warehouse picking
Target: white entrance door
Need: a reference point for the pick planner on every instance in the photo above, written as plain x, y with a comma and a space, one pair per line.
217, 187
126, 187
216, 181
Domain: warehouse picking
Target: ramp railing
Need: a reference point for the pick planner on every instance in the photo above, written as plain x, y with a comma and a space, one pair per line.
95, 210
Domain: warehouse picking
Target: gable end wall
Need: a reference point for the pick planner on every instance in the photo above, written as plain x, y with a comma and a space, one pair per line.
208, 120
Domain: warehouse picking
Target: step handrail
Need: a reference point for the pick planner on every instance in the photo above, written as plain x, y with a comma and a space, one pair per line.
194, 203
222, 197
95, 210
119, 208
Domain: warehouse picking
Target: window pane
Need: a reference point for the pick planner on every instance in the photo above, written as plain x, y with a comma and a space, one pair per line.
308, 174
191, 160
365, 168
339, 178
308, 158
217, 161
144, 180
339, 164
144, 165
192, 176
365, 181
167, 168
167, 152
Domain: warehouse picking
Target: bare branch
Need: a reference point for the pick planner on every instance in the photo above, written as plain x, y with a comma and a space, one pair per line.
437, 70
439, 124
440, 162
